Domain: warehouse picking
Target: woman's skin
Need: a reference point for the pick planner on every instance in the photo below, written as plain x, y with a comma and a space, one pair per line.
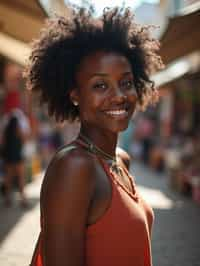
76, 191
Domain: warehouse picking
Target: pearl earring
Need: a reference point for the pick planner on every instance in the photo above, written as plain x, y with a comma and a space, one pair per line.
75, 103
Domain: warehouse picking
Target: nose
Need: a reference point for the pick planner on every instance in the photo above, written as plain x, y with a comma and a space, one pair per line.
118, 94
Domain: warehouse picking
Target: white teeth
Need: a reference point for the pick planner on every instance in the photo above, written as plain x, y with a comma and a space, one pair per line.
117, 112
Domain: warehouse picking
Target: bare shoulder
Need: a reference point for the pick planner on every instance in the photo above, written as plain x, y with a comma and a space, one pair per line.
68, 162
68, 182
124, 156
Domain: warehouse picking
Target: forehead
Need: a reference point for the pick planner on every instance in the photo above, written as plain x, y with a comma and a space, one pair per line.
103, 62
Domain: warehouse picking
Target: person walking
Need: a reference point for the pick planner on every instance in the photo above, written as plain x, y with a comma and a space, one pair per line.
12, 154
97, 71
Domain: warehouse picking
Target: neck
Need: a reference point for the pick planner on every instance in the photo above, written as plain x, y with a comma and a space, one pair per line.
103, 140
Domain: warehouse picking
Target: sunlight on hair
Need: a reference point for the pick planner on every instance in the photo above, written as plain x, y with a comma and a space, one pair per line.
99, 5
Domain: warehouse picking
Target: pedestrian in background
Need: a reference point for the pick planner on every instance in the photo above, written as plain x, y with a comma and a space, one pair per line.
14, 131
96, 71
13, 139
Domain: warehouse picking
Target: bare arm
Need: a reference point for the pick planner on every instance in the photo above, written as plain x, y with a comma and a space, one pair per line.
65, 201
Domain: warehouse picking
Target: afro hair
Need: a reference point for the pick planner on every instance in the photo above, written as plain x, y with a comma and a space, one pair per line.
65, 41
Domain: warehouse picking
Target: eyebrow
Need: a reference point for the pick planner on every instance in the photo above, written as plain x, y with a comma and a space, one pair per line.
105, 74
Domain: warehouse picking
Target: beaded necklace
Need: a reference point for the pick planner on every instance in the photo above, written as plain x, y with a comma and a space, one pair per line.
96, 150
115, 168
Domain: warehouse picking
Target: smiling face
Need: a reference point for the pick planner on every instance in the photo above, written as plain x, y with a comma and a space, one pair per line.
105, 92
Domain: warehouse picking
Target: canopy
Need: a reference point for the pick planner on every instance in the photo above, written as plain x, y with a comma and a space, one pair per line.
182, 35
20, 22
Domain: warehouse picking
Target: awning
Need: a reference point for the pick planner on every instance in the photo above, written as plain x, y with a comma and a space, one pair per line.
20, 22
185, 65
182, 35
13, 49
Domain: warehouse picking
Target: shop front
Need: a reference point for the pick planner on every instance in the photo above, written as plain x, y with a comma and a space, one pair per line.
179, 86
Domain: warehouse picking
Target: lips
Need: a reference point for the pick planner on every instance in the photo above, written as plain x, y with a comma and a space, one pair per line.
117, 113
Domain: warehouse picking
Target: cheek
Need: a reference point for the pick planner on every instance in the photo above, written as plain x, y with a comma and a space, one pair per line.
90, 106
133, 98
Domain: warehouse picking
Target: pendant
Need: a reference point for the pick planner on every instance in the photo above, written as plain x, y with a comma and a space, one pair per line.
116, 169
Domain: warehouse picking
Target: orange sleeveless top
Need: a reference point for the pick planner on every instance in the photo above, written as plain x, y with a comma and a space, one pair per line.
122, 236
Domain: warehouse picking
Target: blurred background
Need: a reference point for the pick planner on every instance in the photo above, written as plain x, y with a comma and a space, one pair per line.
163, 142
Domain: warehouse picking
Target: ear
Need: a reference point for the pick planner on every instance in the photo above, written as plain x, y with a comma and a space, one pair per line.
74, 97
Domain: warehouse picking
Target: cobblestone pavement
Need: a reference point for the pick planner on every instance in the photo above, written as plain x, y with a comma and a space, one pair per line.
176, 232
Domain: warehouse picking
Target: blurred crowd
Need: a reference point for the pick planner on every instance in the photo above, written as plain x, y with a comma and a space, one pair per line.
169, 144
28, 138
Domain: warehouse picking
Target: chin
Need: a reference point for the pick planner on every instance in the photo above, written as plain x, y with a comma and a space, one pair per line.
119, 128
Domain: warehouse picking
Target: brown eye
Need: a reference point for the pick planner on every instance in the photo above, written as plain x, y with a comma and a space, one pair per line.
127, 84
100, 85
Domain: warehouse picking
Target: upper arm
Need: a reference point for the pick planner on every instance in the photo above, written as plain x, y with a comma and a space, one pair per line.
65, 200
124, 156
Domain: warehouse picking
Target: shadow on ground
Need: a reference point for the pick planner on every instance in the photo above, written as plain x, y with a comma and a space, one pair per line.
175, 237
10, 216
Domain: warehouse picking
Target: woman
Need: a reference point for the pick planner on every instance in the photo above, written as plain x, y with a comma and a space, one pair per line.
96, 71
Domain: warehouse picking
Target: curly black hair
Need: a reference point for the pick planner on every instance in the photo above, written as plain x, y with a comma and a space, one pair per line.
65, 41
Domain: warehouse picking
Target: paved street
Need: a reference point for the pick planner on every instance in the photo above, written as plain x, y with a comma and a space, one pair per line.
176, 232
176, 237
19, 229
